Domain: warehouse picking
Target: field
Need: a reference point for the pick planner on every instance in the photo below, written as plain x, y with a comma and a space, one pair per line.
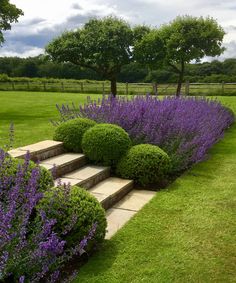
31, 114
187, 233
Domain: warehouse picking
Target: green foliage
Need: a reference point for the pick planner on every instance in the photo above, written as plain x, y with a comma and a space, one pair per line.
150, 51
185, 39
46, 180
4, 78
105, 144
109, 40
55, 74
75, 210
145, 164
190, 38
71, 133
140, 31
9, 14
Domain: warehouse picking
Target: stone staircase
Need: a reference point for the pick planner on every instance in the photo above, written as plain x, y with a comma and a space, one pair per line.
116, 195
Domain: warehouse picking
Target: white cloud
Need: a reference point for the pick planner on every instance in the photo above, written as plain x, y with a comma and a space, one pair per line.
44, 20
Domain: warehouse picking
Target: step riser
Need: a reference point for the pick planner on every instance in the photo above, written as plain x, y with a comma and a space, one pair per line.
40, 156
113, 199
92, 181
67, 168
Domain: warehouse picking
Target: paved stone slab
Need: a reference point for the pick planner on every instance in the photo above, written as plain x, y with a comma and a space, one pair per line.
116, 218
86, 172
40, 146
62, 159
111, 186
135, 200
47, 166
100, 197
17, 153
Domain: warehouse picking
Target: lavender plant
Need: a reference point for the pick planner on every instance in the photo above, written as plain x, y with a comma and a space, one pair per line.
184, 127
30, 249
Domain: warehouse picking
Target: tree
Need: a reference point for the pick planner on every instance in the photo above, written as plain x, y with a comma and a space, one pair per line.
9, 14
102, 45
181, 41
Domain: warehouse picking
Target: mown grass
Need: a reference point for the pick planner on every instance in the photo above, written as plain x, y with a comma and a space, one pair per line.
30, 112
187, 233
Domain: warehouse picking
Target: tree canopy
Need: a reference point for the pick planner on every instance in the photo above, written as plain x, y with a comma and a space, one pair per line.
103, 45
9, 14
181, 41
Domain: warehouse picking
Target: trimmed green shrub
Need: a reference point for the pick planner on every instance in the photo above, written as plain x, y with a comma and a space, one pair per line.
71, 133
45, 181
105, 144
75, 211
145, 164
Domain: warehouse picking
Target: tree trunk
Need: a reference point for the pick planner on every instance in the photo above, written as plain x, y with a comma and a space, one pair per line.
178, 90
113, 87
180, 81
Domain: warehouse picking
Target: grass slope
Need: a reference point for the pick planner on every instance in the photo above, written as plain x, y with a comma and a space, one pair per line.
187, 233
30, 112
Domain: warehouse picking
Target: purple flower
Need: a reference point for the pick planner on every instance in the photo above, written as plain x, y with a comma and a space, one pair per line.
184, 127
30, 250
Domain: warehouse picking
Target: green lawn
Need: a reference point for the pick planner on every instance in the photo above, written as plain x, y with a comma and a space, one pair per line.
187, 233
31, 114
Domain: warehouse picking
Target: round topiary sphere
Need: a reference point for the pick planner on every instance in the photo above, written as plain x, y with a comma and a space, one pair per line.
144, 163
75, 211
105, 144
45, 179
71, 133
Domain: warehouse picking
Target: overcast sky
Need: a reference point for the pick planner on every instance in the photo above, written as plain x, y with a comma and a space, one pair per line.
45, 19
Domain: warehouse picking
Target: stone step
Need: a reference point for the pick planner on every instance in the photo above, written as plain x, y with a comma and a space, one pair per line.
86, 177
39, 151
125, 209
64, 163
111, 190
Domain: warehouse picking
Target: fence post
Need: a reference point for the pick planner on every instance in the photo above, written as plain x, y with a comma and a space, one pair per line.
127, 88
62, 86
223, 88
187, 88
13, 86
44, 86
82, 87
103, 88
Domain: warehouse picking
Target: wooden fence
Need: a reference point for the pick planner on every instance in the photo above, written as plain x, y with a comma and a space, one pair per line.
122, 88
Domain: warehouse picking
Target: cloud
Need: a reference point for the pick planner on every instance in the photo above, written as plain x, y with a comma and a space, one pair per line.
40, 25
230, 51
76, 6
19, 49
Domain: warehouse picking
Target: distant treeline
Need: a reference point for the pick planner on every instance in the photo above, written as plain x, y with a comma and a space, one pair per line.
41, 67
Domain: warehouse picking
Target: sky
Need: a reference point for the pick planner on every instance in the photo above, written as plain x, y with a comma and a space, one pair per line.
43, 20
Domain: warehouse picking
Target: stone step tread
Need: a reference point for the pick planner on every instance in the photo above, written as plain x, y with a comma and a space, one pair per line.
61, 160
110, 186
116, 219
135, 200
36, 147
86, 172
125, 209
86, 176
